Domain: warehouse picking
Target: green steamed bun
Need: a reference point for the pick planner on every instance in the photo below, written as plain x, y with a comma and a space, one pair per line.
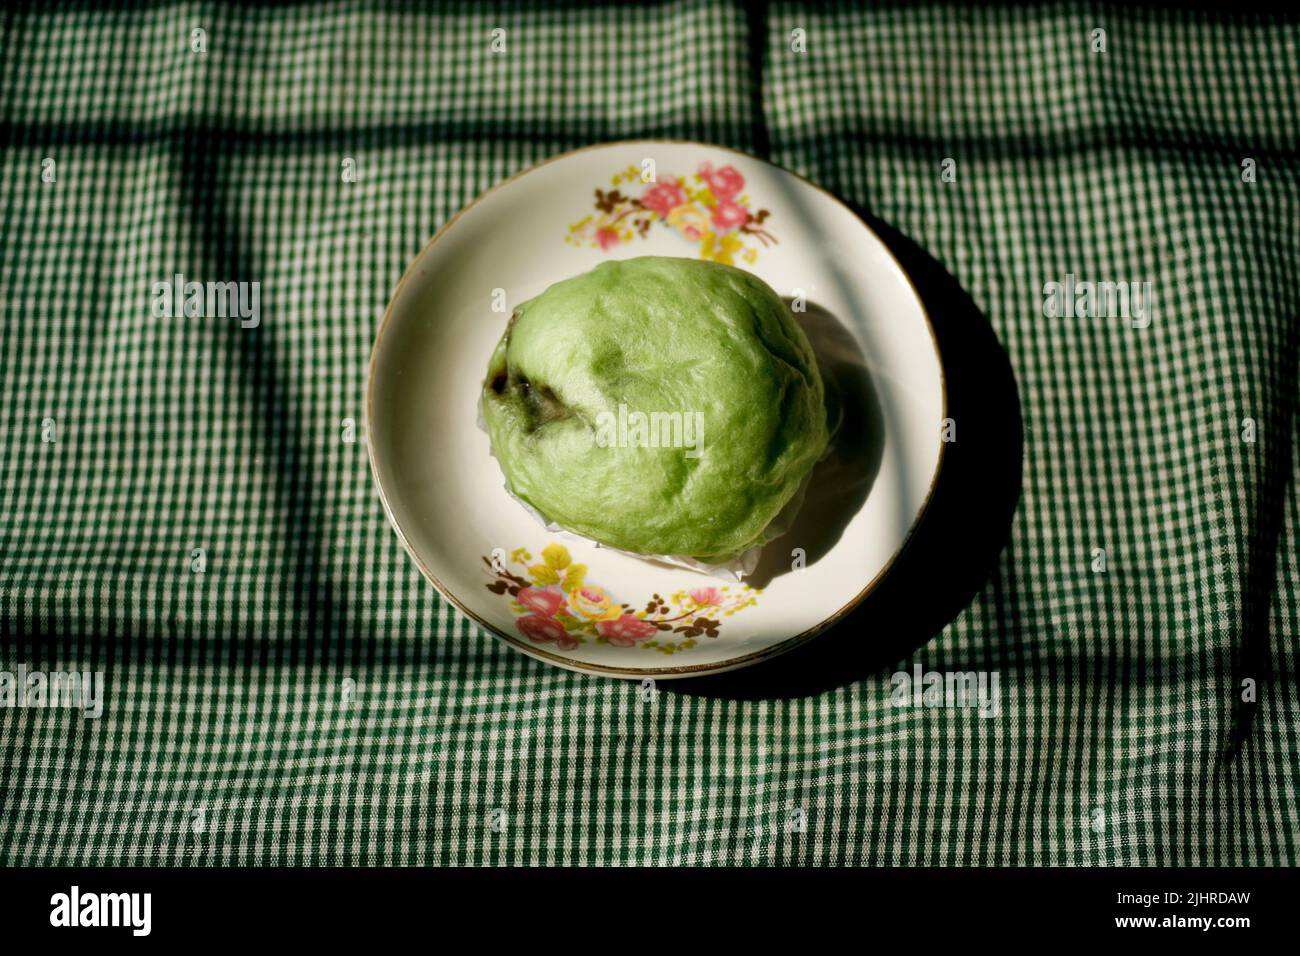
598, 370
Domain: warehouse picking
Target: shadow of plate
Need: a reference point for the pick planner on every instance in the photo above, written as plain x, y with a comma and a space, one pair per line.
951, 553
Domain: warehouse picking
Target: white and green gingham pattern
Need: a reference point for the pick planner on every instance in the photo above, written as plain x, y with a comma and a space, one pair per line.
309, 699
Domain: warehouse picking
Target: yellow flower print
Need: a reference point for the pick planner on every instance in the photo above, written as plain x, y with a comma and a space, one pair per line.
574, 575
543, 575
591, 603
556, 556
691, 221
720, 248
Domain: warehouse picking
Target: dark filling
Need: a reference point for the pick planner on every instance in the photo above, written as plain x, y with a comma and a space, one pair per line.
539, 401
542, 403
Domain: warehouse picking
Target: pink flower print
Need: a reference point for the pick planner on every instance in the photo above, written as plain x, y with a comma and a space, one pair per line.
728, 215
543, 630
607, 238
542, 601
626, 630
706, 597
662, 198
725, 183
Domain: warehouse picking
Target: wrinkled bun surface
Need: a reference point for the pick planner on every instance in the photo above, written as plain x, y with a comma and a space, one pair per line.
709, 342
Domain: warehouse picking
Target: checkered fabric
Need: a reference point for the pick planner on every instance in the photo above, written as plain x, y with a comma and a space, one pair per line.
179, 506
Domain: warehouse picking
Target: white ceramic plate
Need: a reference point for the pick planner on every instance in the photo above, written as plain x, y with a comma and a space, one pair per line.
444, 492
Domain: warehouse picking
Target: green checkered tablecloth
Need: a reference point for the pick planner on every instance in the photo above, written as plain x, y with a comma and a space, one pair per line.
179, 508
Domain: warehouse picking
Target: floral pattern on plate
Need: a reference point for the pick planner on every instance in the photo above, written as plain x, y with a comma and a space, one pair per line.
554, 603
709, 210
